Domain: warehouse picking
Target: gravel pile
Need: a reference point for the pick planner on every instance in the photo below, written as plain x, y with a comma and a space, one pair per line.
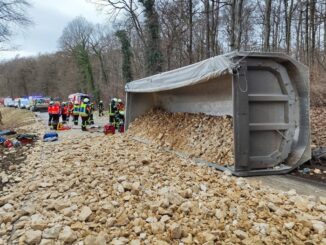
96, 189
198, 135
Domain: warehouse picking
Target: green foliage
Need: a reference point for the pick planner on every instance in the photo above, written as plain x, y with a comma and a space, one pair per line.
127, 54
153, 54
85, 67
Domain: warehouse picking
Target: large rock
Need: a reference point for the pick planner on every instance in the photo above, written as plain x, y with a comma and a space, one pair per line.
47, 242
33, 237
38, 223
84, 214
95, 240
135, 242
122, 220
241, 234
67, 235
175, 231
52, 233
206, 236
157, 228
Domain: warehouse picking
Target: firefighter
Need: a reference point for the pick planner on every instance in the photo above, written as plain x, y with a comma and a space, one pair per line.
50, 109
75, 112
70, 110
120, 116
64, 112
112, 110
84, 112
91, 114
100, 109
56, 115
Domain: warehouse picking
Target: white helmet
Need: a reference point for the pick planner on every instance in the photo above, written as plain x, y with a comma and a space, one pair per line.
119, 100
101, 101
86, 100
51, 102
115, 99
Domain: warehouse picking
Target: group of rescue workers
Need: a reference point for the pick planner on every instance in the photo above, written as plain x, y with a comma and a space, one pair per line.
85, 110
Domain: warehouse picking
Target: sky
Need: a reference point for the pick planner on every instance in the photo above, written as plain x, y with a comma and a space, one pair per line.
49, 19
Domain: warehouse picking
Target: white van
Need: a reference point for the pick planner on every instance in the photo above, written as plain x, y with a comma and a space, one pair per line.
8, 102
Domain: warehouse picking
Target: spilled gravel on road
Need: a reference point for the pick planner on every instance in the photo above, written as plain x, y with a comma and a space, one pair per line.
114, 190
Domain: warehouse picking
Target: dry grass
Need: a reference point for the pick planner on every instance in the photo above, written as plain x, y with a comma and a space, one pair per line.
15, 118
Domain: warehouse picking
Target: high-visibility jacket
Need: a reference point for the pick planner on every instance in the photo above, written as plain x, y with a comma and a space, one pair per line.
50, 109
75, 111
84, 110
112, 109
56, 109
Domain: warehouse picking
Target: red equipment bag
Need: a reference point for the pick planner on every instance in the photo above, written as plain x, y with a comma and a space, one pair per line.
8, 144
109, 129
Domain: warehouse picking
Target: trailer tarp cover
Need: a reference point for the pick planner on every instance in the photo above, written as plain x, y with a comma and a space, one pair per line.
192, 74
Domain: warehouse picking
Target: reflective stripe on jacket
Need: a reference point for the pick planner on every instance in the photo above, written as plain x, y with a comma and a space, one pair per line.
112, 110
83, 111
76, 110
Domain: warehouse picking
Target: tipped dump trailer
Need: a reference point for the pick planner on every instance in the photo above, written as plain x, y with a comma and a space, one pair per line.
267, 94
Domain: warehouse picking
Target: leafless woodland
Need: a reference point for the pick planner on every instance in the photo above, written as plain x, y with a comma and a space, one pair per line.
160, 35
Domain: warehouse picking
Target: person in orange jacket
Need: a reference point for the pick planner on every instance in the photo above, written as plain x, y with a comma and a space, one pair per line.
50, 110
56, 111
64, 112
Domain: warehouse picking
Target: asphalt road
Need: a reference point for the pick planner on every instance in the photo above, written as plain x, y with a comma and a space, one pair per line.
99, 121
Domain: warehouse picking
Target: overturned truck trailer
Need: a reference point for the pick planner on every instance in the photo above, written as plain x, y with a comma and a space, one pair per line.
267, 94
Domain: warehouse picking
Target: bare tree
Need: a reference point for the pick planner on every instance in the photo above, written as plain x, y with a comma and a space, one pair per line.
98, 43
288, 13
75, 39
267, 24
12, 13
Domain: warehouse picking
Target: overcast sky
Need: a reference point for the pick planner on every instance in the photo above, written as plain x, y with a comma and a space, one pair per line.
50, 17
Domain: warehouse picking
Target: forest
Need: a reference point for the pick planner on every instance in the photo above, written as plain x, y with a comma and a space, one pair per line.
146, 37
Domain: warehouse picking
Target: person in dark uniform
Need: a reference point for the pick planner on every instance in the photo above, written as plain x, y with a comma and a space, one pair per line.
100, 109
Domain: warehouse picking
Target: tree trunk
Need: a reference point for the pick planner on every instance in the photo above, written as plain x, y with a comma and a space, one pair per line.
288, 21
312, 30
239, 24
99, 55
267, 24
307, 58
298, 31
190, 32
207, 9
154, 57
324, 20
232, 25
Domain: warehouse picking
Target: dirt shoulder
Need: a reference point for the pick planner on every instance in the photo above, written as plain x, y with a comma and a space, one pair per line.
15, 118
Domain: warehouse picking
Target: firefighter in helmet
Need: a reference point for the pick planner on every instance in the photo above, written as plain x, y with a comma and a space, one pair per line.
84, 112
75, 112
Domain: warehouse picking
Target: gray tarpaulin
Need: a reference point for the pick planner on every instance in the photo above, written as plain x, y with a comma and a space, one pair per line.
192, 74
